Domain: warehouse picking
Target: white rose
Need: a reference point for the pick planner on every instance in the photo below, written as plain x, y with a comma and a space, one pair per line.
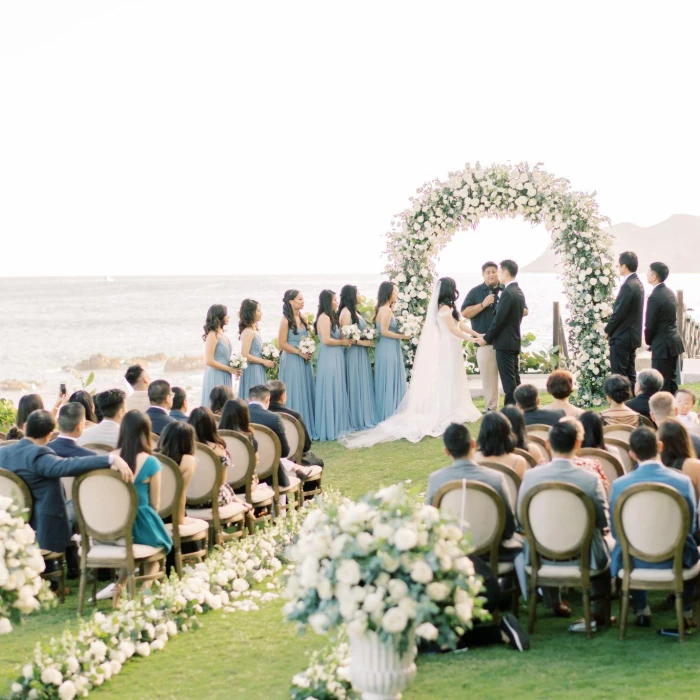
72, 664
437, 591
67, 690
397, 589
464, 564
373, 603
408, 605
421, 572
324, 589
405, 538
5, 625
51, 676
319, 623
143, 649
464, 610
349, 572
427, 631
358, 626
364, 541
394, 620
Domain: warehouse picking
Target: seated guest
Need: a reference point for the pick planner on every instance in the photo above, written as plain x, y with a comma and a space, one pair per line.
14, 433
560, 385
618, 390
588, 463
685, 402
161, 398
278, 401
33, 402
528, 401
564, 441
517, 425
71, 424
236, 416
218, 397
663, 406
41, 469
496, 443
179, 409
177, 442
111, 404
461, 447
644, 448
649, 382
594, 435
138, 380
677, 450
85, 400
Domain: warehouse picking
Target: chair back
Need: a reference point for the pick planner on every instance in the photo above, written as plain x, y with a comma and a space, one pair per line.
479, 510
242, 452
14, 487
269, 453
622, 449
294, 432
512, 479
539, 429
171, 487
105, 506
531, 461
645, 422
541, 444
539, 454
652, 522
612, 467
618, 431
559, 521
207, 478
7, 443
99, 448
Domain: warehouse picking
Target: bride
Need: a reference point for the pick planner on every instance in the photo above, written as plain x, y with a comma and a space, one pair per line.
439, 391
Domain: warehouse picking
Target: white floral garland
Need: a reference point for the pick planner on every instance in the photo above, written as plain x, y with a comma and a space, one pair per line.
441, 207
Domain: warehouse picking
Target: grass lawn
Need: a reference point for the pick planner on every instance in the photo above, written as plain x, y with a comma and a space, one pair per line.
254, 655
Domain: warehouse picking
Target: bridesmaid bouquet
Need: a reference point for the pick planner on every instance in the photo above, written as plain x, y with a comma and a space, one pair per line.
411, 326
270, 352
352, 332
238, 362
369, 333
307, 345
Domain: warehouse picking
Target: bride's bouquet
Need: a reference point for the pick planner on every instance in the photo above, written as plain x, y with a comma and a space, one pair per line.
411, 326
238, 362
352, 332
307, 345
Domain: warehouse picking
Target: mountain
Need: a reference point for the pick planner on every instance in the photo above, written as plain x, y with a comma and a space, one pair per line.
675, 241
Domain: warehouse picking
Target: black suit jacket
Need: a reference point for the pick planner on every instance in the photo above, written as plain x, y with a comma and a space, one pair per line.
661, 327
267, 418
640, 404
179, 415
542, 416
504, 331
69, 448
281, 408
159, 419
41, 469
625, 324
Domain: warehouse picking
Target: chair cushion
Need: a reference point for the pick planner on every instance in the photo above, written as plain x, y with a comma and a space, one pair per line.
315, 473
262, 495
505, 567
293, 485
117, 553
230, 510
560, 571
659, 575
194, 528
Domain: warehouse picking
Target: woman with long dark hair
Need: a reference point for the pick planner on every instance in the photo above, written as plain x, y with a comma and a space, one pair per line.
332, 407
217, 352
236, 416
85, 400
249, 316
496, 443
33, 402
295, 366
517, 424
358, 367
177, 442
218, 397
677, 450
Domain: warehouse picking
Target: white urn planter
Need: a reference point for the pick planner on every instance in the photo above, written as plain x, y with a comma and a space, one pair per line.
377, 670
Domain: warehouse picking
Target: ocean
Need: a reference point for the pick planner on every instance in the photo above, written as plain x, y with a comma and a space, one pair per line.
48, 324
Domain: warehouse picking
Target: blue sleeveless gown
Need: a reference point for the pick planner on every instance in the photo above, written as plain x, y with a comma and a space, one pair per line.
148, 527
216, 377
389, 374
254, 373
332, 407
298, 376
358, 369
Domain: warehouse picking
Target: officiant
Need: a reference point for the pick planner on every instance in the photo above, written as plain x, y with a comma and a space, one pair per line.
479, 306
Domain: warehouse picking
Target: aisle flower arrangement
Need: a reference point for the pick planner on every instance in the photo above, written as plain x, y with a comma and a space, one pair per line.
22, 590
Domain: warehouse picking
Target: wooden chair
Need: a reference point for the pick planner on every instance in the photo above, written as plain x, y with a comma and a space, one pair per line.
105, 507
480, 510
541, 444
3, 436
98, 448
269, 451
295, 437
538, 453
559, 521
618, 432
623, 451
204, 489
531, 461
652, 522
612, 467
513, 481
172, 488
538, 429
644, 422
14, 487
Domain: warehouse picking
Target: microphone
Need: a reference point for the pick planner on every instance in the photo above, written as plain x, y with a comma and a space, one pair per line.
495, 290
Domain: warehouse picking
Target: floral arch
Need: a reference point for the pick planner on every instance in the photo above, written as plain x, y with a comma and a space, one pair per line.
441, 208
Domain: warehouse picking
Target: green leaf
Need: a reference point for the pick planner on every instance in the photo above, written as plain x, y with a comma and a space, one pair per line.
89, 380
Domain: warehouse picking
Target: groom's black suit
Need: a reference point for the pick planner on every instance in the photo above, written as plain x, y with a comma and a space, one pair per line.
624, 329
504, 335
661, 334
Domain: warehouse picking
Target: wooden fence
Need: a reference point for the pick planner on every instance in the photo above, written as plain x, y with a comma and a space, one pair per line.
689, 328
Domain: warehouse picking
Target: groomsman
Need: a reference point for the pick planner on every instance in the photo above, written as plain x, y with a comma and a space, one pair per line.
479, 306
624, 329
504, 331
661, 327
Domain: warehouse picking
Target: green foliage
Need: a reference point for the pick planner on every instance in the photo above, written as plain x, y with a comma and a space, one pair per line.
84, 383
8, 414
544, 361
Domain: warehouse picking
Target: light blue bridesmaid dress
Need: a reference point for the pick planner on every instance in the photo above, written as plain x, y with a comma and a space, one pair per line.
389, 374
215, 377
360, 382
254, 373
298, 376
332, 407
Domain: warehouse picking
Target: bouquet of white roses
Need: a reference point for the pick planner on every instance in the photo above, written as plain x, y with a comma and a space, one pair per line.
352, 332
238, 362
411, 326
369, 333
270, 352
386, 564
307, 345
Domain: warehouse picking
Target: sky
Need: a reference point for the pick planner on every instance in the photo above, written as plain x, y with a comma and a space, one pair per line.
150, 138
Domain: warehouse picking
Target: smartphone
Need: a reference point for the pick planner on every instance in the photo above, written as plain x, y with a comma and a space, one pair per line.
63, 389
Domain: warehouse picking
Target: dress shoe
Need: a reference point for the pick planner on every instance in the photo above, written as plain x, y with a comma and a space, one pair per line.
643, 621
562, 610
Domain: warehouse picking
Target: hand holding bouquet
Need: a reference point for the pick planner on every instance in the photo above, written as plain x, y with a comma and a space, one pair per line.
271, 353
369, 333
352, 332
411, 327
307, 345
237, 363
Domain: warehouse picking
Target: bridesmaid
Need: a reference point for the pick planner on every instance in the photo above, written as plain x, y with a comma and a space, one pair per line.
332, 407
249, 317
358, 368
295, 367
389, 370
217, 352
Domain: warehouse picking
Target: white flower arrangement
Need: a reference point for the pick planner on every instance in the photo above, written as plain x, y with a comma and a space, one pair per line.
352, 332
411, 325
22, 590
307, 345
441, 207
270, 352
369, 566
369, 333
238, 362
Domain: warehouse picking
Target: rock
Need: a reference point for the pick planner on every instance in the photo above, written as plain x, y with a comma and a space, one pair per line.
188, 363
99, 362
14, 385
146, 360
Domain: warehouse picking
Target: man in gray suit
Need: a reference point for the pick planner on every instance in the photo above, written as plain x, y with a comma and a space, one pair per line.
564, 441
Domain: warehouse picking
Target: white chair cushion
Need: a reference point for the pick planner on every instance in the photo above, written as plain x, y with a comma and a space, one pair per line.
193, 528
262, 495
315, 472
293, 485
639, 576
560, 571
505, 567
230, 510
117, 553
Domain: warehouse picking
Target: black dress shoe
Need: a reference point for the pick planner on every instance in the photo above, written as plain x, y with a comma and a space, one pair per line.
643, 621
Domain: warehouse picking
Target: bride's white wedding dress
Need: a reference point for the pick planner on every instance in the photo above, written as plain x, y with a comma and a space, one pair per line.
439, 390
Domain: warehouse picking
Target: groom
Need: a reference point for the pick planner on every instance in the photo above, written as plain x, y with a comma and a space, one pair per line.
504, 331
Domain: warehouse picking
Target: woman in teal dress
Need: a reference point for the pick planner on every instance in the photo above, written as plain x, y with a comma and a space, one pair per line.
249, 316
358, 367
389, 370
217, 352
295, 366
332, 404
